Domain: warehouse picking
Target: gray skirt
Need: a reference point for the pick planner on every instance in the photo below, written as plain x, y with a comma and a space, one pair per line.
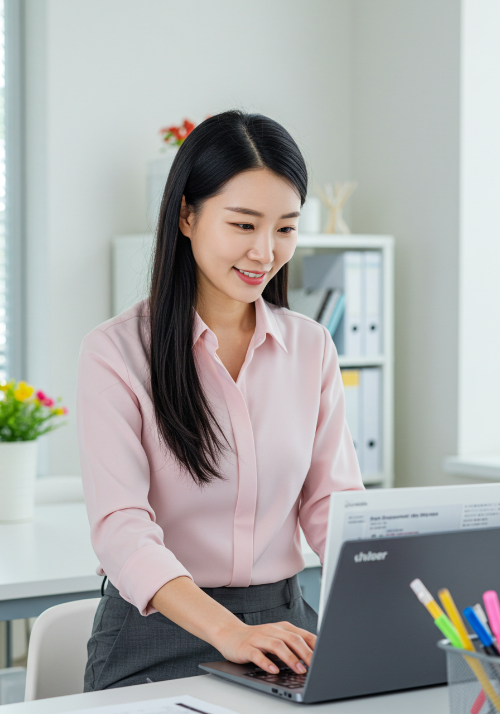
128, 648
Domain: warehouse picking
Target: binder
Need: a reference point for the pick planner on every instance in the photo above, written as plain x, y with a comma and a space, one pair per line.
330, 308
337, 314
371, 420
372, 313
307, 302
352, 391
342, 271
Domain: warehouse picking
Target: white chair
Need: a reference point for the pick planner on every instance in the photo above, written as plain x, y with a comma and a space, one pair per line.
57, 651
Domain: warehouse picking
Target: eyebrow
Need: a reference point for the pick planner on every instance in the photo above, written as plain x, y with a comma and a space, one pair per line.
251, 212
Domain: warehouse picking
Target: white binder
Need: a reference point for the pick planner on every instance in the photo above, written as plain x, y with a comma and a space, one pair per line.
353, 281
372, 317
352, 391
371, 420
342, 271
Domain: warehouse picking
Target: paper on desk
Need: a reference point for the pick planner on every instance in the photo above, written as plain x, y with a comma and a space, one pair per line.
382, 513
184, 704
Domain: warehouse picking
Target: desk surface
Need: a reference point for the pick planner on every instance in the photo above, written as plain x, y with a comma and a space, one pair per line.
433, 700
50, 555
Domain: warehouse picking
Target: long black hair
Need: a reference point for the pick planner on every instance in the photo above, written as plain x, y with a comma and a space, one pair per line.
215, 151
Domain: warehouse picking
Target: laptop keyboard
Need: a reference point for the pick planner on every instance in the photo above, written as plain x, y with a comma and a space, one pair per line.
285, 678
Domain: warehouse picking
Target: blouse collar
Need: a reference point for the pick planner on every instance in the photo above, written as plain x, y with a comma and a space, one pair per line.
265, 324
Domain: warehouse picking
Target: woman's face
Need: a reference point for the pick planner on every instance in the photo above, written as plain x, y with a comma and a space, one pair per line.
244, 235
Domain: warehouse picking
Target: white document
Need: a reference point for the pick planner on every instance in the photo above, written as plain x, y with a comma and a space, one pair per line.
372, 317
184, 704
370, 450
382, 513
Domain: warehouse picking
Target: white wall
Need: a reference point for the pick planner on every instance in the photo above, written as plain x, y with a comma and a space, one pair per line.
103, 77
479, 372
406, 158
394, 93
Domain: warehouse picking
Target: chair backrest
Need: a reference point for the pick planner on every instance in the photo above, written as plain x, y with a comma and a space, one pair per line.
57, 652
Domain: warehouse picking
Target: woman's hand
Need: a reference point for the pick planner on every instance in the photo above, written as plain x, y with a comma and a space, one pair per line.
248, 643
185, 604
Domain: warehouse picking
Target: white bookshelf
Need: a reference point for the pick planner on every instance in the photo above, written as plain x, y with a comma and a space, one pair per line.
131, 254
310, 244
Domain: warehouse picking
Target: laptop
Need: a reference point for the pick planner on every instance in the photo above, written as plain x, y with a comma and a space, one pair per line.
375, 636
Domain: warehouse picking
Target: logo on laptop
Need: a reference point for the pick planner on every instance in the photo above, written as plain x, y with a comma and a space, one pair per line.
365, 557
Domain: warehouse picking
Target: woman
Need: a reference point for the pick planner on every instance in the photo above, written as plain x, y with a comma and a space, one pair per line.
211, 423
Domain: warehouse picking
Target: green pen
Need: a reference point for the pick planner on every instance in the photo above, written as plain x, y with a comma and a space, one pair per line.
449, 630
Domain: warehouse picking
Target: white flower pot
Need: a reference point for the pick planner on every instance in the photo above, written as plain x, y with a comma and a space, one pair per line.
18, 461
158, 170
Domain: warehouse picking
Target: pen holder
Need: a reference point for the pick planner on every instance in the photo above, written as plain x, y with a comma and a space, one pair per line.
473, 680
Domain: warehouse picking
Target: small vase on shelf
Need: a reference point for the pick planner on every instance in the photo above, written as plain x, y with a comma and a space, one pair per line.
157, 175
158, 169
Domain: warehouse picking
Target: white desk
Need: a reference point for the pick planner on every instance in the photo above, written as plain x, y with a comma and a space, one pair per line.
47, 561
50, 560
433, 700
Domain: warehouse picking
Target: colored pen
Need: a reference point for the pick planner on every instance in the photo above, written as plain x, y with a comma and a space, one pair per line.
481, 632
481, 615
440, 619
426, 599
454, 615
452, 611
490, 599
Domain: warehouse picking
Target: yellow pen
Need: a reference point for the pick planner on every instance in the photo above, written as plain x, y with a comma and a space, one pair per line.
454, 615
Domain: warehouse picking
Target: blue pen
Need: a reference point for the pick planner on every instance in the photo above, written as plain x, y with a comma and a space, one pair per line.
481, 632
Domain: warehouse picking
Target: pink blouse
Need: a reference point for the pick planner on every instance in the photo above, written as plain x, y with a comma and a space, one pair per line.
284, 419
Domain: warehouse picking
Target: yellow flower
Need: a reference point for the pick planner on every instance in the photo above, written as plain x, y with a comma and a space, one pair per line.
23, 391
57, 410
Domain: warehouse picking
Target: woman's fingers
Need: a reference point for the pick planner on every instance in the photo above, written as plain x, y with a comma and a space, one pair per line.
298, 646
276, 645
259, 658
305, 634
295, 640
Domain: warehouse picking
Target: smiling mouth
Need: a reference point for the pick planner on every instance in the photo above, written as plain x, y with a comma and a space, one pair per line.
251, 275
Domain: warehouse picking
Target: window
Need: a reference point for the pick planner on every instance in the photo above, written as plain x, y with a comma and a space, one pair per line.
3, 245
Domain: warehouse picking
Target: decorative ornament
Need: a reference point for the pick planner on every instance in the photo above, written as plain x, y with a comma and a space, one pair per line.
335, 199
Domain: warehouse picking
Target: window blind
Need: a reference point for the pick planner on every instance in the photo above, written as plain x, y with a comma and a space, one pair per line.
3, 245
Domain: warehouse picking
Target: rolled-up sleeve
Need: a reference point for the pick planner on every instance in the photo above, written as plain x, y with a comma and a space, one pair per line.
116, 476
334, 464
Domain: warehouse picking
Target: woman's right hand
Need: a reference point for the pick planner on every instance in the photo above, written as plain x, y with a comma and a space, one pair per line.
186, 604
248, 643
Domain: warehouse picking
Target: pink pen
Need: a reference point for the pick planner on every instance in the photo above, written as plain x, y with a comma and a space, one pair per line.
490, 599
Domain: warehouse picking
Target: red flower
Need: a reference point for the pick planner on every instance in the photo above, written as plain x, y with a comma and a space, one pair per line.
177, 134
41, 396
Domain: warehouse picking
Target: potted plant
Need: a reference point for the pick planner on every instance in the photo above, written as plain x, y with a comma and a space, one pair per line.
24, 416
